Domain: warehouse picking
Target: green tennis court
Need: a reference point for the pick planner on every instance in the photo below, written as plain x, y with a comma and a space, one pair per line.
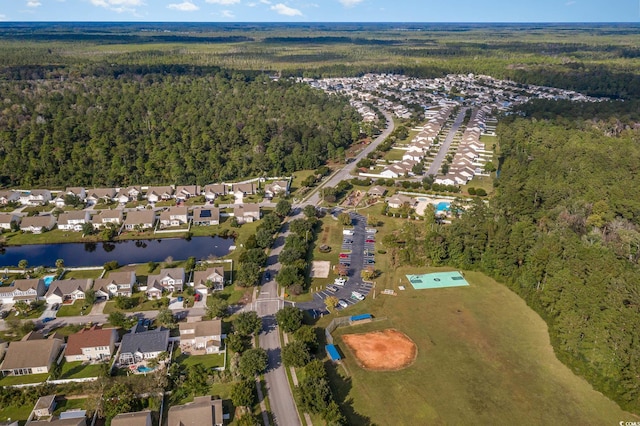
437, 280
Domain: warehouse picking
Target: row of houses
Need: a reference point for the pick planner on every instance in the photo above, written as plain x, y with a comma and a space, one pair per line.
469, 159
35, 353
169, 280
202, 411
136, 219
420, 145
152, 194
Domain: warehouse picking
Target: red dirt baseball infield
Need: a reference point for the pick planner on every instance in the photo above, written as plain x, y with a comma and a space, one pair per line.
382, 350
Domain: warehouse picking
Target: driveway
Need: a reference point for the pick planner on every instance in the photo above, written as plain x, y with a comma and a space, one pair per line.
98, 308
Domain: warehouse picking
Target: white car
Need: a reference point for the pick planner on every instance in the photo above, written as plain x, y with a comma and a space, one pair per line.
343, 303
340, 281
357, 295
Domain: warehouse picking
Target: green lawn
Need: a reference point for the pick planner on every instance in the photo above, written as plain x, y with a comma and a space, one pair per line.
298, 177
64, 404
72, 310
50, 237
93, 273
21, 380
145, 305
207, 361
75, 370
20, 413
394, 155
483, 182
482, 355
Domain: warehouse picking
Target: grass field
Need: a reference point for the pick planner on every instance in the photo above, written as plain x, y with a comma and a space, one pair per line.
483, 356
207, 361
72, 310
20, 380
20, 413
76, 370
83, 274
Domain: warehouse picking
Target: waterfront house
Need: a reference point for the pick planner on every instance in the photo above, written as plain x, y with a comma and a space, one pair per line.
7, 220
247, 213
174, 216
139, 345
115, 284
69, 291
211, 278
106, 217
140, 418
206, 216
73, 220
144, 219
32, 355
37, 224
26, 290
169, 280
91, 344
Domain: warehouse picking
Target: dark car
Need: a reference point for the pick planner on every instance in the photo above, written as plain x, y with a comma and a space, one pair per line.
267, 276
48, 319
55, 306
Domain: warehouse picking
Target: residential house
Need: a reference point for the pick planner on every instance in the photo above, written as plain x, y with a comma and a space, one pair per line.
276, 187
247, 213
242, 189
159, 193
201, 336
128, 194
169, 279
67, 418
139, 345
206, 216
44, 406
61, 291
35, 197
399, 200
9, 196
73, 220
37, 224
27, 290
174, 216
106, 217
32, 355
116, 284
377, 191
91, 344
214, 276
7, 220
203, 411
79, 192
141, 418
144, 219
184, 192
214, 190
97, 195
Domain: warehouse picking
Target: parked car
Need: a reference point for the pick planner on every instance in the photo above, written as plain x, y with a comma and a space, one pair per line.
197, 297
344, 256
267, 276
48, 319
370, 241
357, 295
55, 306
342, 303
332, 288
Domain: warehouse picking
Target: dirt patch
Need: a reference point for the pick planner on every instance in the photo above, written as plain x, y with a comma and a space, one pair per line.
382, 350
320, 269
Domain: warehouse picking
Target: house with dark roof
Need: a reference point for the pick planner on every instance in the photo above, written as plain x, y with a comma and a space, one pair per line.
26, 290
139, 345
201, 336
140, 418
36, 224
32, 355
206, 216
44, 406
9, 196
211, 278
91, 344
115, 284
61, 291
203, 411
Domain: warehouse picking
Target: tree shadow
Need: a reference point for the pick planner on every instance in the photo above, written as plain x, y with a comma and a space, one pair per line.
341, 387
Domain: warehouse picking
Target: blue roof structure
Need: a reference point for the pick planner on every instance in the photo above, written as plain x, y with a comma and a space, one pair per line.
332, 351
361, 317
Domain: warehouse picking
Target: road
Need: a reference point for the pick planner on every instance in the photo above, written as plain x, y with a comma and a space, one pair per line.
345, 172
283, 407
435, 167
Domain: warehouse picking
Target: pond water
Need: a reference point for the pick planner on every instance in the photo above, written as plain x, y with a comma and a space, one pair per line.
125, 252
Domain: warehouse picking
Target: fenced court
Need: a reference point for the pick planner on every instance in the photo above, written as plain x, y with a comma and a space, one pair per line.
437, 280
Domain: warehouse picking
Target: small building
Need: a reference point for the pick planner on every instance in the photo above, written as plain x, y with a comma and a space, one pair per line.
184, 192
91, 344
44, 406
138, 345
26, 290
116, 284
399, 200
242, 189
159, 193
7, 221
169, 280
128, 194
206, 216
212, 278
37, 224
61, 291
141, 418
73, 220
106, 217
203, 411
247, 213
205, 336
32, 355
174, 216
142, 219
377, 191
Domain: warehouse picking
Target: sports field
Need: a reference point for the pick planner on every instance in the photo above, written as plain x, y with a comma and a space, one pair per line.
437, 280
483, 357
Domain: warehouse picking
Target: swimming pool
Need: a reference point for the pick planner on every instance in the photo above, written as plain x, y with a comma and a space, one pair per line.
47, 280
144, 369
442, 206
422, 199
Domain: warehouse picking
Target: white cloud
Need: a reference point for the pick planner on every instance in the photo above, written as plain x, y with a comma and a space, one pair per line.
119, 6
265, 2
283, 9
223, 2
350, 3
227, 14
185, 6
33, 3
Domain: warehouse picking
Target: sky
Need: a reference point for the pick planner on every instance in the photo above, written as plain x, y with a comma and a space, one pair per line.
322, 10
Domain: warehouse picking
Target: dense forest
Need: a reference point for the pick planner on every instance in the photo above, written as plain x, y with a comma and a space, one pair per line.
155, 129
563, 232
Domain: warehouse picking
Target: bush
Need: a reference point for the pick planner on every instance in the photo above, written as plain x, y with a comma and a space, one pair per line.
295, 354
295, 289
471, 191
112, 265
481, 192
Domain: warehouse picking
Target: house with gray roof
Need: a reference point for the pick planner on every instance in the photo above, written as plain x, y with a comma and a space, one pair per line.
27, 290
36, 224
203, 411
32, 355
7, 220
206, 216
67, 290
140, 418
139, 345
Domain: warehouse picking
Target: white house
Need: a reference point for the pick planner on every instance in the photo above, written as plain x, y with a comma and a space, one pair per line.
205, 336
144, 219
6, 220
115, 284
184, 192
27, 290
73, 220
247, 213
174, 216
106, 217
35, 197
169, 279
67, 290
214, 276
206, 216
159, 193
37, 224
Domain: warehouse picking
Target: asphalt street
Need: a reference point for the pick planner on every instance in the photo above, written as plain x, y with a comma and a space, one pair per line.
434, 168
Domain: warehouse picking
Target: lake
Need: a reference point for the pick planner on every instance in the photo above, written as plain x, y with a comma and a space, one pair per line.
125, 252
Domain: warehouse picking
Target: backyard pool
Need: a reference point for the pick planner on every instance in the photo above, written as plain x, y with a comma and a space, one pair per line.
442, 206
47, 280
144, 369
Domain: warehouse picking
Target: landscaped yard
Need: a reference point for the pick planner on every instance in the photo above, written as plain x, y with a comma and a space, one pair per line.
72, 310
83, 274
76, 370
207, 361
483, 354
20, 413
64, 404
21, 380
144, 305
